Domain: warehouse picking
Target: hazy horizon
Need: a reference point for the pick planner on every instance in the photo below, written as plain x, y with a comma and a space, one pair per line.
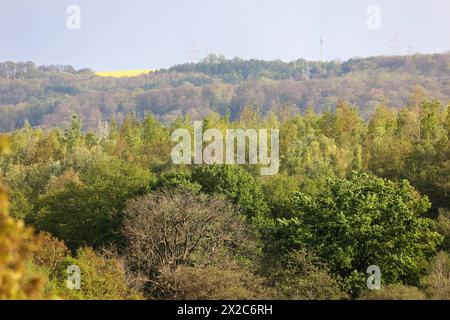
120, 35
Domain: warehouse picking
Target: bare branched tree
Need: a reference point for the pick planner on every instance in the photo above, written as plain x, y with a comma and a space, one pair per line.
174, 228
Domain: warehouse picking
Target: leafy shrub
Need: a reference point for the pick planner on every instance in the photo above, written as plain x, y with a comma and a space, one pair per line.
102, 278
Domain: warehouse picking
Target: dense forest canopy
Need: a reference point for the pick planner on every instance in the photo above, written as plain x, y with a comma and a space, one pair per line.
350, 193
364, 180
47, 96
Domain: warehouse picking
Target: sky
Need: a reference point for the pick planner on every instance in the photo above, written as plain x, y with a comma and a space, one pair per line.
150, 34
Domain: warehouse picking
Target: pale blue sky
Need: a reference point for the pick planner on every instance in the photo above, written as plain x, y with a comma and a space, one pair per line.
137, 34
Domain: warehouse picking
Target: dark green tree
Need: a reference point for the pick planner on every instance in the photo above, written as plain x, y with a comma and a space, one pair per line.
234, 182
364, 221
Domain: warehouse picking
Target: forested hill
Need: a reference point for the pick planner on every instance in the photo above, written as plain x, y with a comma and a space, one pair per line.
237, 70
50, 95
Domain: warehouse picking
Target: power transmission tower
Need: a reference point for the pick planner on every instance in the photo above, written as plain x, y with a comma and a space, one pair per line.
194, 52
395, 45
322, 43
410, 49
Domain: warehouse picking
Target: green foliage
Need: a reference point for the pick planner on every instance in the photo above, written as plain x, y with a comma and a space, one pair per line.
16, 246
443, 227
88, 211
304, 277
364, 221
413, 144
319, 224
177, 179
278, 190
102, 278
234, 182
73, 134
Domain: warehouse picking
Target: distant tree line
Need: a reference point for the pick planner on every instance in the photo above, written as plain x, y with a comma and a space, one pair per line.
47, 96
